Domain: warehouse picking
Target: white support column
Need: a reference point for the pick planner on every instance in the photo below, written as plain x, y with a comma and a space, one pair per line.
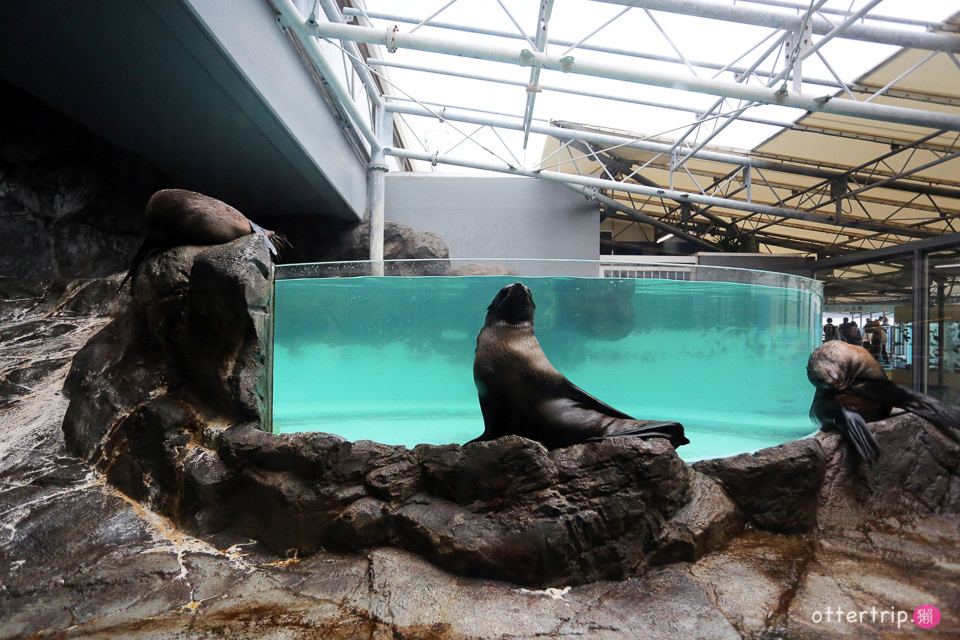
376, 189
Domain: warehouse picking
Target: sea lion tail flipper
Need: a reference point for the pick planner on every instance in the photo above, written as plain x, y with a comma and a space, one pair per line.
943, 416
138, 258
854, 429
669, 430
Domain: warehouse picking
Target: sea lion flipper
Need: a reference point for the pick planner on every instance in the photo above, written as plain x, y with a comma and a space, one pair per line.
854, 429
496, 416
943, 416
260, 231
587, 401
669, 430
142, 254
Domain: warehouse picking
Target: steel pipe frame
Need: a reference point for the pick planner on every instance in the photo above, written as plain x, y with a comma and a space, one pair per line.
739, 70
524, 63
333, 14
951, 211
704, 64
576, 92
638, 216
541, 40
606, 139
889, 229
873, 183
295, 21
780, 20
760, 231
733, 116
394, 39
880, 18
908, 231
759, 163
667, 194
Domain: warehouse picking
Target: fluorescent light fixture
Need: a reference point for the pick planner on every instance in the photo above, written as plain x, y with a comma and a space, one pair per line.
664, 238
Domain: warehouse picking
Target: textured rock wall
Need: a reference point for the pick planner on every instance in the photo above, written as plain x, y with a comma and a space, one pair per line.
71, 204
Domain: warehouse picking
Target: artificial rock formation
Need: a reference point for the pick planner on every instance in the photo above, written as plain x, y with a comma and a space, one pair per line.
168, 398
82, 560
65, 195
400, 242
167, 401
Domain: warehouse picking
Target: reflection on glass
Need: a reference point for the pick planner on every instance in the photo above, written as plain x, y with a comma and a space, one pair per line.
943, 351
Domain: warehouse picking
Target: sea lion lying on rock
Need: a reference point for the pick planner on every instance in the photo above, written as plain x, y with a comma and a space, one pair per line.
852, 389
176, 217
521, 393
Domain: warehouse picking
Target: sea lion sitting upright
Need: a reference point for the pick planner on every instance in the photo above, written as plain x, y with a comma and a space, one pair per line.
522, 393
176, 217
853, 389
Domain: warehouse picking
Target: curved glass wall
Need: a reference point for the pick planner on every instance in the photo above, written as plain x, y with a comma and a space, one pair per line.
390, 358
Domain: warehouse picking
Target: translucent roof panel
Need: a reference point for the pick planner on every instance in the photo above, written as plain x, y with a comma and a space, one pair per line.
649, 39
818, 126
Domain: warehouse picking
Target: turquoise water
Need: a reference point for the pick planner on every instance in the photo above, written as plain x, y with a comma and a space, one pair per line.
390, 359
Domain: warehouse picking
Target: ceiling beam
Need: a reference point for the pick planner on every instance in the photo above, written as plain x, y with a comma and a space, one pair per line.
678, 196
394, 39
790, 20
757, 160
667, 194
616, 164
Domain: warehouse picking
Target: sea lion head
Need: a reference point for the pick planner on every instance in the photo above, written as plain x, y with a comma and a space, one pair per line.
835, 365
513, 305
822, 372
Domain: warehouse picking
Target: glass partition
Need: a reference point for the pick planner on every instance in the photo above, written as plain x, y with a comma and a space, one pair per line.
871, 305
943, 338
390, 358
915, 287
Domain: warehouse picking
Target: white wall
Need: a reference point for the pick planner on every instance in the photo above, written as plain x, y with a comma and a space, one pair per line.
497, 216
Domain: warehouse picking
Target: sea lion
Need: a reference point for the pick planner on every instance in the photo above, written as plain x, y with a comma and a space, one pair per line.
176, 217
852, 389
522, 393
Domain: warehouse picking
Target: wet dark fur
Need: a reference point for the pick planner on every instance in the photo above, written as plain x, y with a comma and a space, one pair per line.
853, 389
175, 217
522, 393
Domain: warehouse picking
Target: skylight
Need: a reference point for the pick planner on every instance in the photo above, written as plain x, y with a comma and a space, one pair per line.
611, 32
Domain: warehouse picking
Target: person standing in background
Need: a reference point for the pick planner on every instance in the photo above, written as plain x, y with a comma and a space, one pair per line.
844, 330
830, 331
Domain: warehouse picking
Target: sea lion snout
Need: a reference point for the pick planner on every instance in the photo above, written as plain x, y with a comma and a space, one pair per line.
512, 304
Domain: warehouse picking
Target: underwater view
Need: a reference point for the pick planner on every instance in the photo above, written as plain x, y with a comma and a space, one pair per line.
390, 359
